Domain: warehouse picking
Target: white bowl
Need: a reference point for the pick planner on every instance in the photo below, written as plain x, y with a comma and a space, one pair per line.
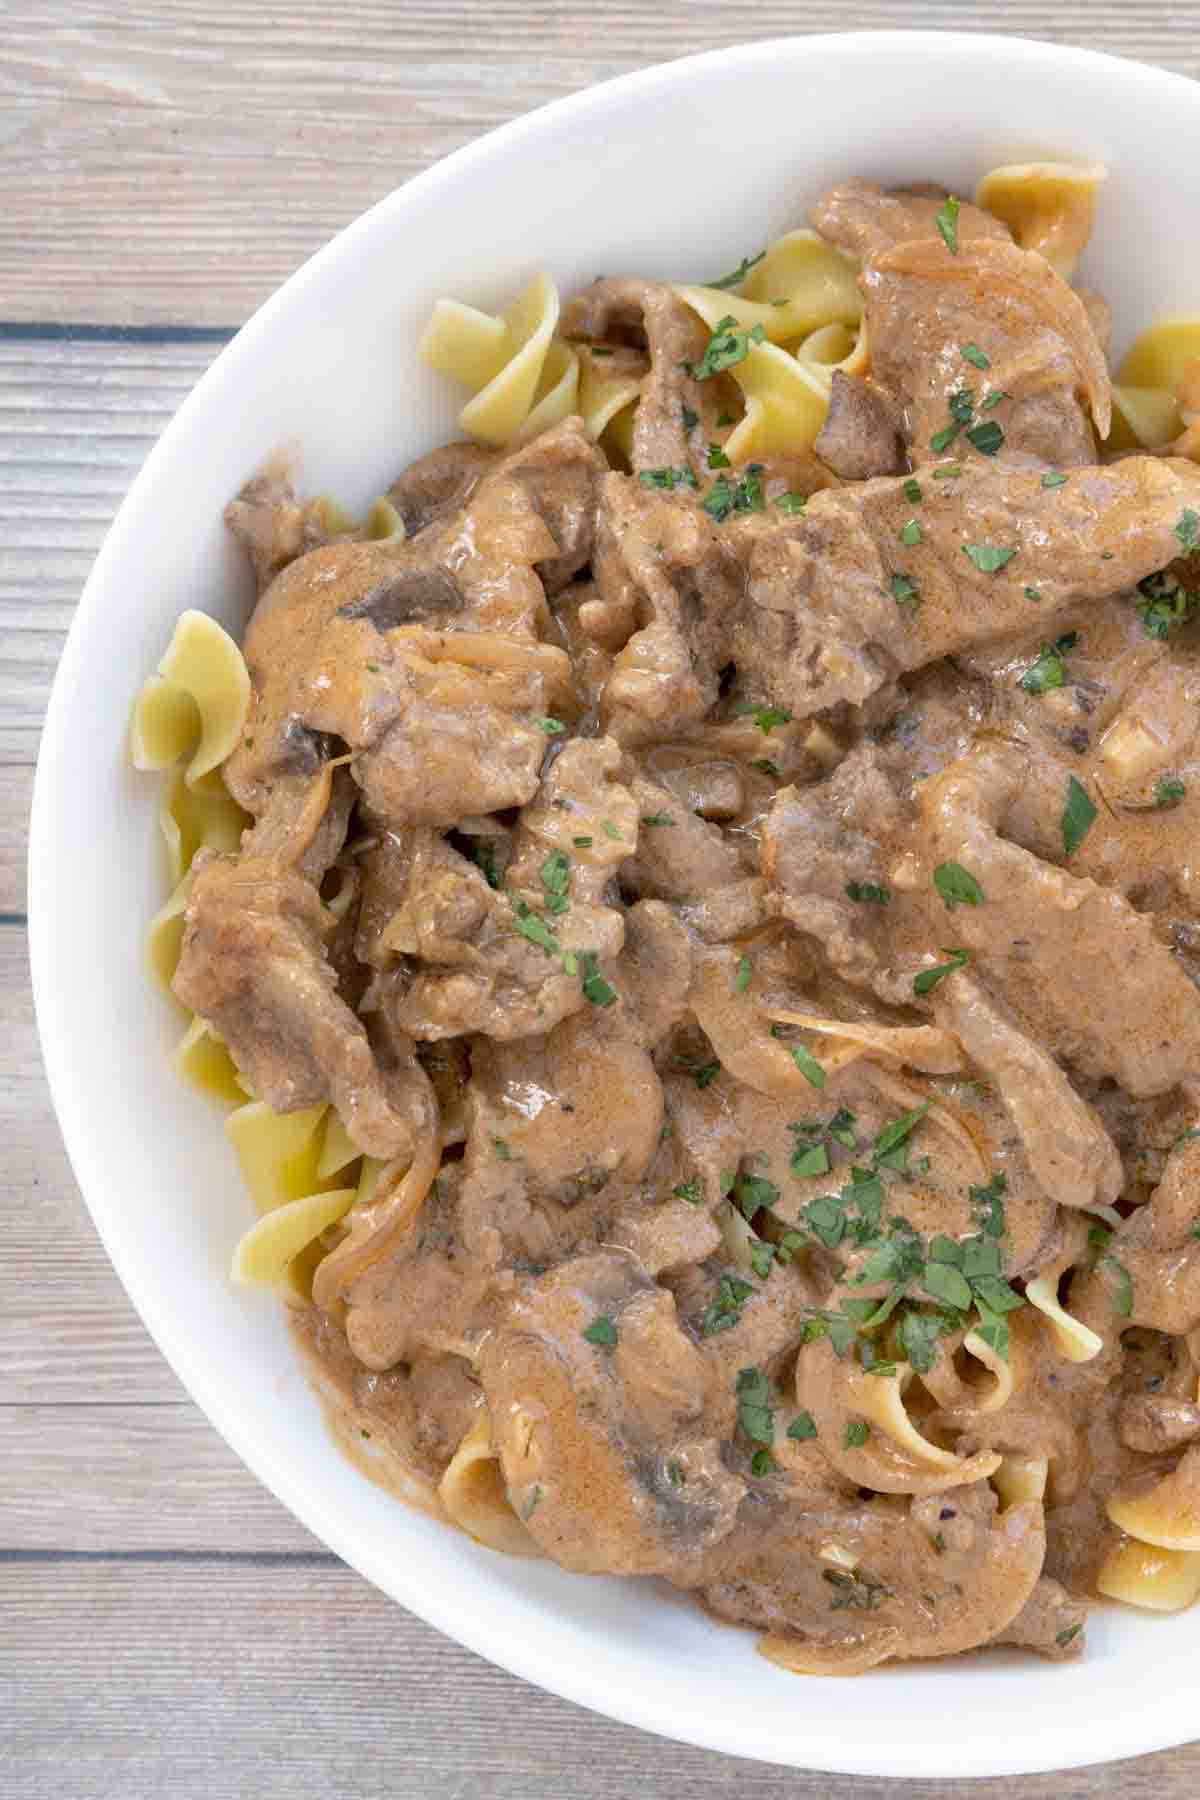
676, 171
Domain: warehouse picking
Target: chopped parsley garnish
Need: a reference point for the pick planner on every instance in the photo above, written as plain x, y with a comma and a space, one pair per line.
690, 419
766, 767
868, 892
675, 1474
551, 727
1032, 593
1168, 603
976, 357
755, 1413
583, 843
535, 929
595, 988
946, 471
1168, 792
668, 479
725, 497
1078, 815
918, 1333
502, 1150
857, 1433
744, 976
659, 818
791, 503
727, 347
986, 438
1068, 1636
601, 1331
957, 886
993, 399
706, 1074
726, 1309
901, 1129
927, 980
610, 830
911, 489
724, 420
762, 1463
809, 1160
739, 274
905, 591
911, 533
1048, 671
802, 1428
765, 717
1054, 478
556, 879
689, 1191
946, 220
942, 440
1187, 529
762, 1255
1123, 1288
989, 1204
808, 1066
754, 1192
989, 559
717, 458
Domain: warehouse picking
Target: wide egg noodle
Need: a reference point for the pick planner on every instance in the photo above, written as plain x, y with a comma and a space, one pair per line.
474, 1495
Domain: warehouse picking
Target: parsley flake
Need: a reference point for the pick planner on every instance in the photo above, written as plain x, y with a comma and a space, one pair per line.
905, 591
1168, 792
755, 1413
765, 717
1078, 815
868, 892
601, 1331
946, 220
726, 1309
1049, 670
927, 980
911, 489
957, 886
1054, 479
947, 471
595, 987
808, 1066
986, 438
791, 503
551, 727
738, 275
668, 479
802, 1428
744, 976
976, 357
689, 1191
1068, 1636
717, 458
1187, 529
727, 347
857, 1433
658, 818
989, 559
706, 1074
911, 533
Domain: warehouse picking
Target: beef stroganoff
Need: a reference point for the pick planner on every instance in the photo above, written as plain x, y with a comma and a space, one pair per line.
690, 908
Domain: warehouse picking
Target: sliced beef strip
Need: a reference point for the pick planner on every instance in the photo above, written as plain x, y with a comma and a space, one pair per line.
320, 647
860, 437
1084, 973
661, 558
610, 1450
837, 604
865, 219
925, 303
439, 483
253, 964
651, 314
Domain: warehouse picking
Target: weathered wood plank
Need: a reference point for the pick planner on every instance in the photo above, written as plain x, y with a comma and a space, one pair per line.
225, 1680
228, 142
133, 1478
76, 422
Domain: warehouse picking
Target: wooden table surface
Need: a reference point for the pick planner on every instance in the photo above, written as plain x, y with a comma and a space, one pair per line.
166, 1628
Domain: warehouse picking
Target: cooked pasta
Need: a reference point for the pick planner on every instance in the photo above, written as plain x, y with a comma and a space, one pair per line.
688, 908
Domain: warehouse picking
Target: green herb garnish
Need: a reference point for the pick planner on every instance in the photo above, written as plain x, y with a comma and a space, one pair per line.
957, 886
976, 357
927, 980
905, 591
755, 1413
601, 1331
911, 533
946, 220
802, 1428
1078, 816
857, 1433
727, 347
989, 559
868, 892
739, 274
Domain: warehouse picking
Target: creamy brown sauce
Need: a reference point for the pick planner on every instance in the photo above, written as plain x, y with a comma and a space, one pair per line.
767, 939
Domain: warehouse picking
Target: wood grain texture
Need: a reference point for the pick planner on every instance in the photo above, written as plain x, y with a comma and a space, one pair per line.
235, 1680
262, 127
166, 1628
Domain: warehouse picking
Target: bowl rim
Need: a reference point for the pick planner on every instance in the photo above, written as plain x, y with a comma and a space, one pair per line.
1152, 1729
